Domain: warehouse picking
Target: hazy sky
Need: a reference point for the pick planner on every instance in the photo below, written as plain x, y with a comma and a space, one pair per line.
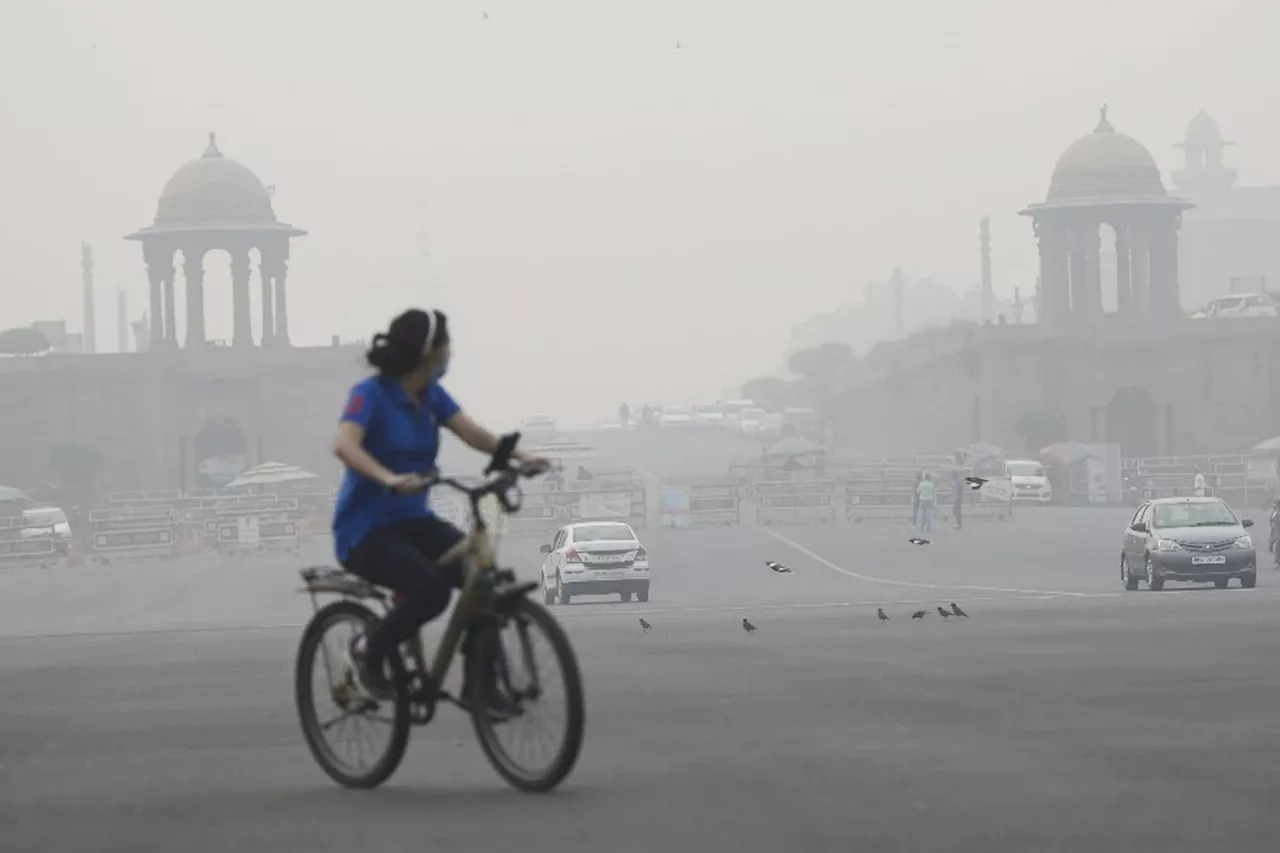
622, 216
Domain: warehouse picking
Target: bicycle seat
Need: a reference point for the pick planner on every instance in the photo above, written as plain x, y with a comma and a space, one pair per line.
335, 580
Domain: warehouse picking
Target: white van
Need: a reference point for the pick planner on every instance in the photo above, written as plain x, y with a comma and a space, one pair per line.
1030, 481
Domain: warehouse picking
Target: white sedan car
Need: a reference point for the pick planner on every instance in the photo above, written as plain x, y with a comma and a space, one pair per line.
595, 558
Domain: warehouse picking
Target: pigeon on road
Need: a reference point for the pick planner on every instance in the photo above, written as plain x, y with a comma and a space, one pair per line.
955, 608
777, 567
944, 614
747, 626
920, 614
645, 625
881, 615
916, 540
975, 483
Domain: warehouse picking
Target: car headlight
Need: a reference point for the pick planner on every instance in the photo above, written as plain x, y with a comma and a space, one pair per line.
1244, 541
1168, 545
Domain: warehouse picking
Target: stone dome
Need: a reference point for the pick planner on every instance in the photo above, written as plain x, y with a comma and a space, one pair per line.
1203, 130
1105, 166
214, 190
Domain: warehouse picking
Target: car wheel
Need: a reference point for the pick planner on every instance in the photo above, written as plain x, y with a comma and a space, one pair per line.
548, 595
1127, 577
1221, 583
563, 590
1155, 583
626, 597
642, 594
1249, 581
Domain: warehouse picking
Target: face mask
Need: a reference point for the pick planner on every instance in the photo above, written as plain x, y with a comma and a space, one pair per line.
438, 372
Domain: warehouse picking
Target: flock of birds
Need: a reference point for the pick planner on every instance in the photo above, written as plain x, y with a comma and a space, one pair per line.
880, 614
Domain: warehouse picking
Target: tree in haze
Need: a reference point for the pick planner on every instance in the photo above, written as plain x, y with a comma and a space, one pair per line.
23, 341
823, 372
74, 464
1039, 428
767, 392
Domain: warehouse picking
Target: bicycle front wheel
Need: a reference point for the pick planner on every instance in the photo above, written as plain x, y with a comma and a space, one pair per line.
524, 679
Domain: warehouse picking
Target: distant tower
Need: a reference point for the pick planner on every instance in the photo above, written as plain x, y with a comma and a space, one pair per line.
122, 322
898, 286
988, 298
1203, 171
86, 274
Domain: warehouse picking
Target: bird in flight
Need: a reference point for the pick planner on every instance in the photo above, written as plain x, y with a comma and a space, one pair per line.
944, 614
747, 626
955, 608
777, 567
645, 625
920, 614
880, 614
916, 540
975, 483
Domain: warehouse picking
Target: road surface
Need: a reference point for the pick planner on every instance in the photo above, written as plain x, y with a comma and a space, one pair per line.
149, 707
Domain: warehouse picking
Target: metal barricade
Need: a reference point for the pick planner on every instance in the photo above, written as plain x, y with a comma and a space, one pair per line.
699, 503
795, 502
24, 544
130, 534
262, 524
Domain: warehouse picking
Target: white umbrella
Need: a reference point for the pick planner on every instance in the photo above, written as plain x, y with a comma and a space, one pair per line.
269, 474
1069, 452
1271, 445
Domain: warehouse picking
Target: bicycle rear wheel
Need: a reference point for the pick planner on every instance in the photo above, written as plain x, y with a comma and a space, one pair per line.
353, 712
509, 692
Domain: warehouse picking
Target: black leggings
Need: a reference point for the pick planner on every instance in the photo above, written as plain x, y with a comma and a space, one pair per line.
404, 556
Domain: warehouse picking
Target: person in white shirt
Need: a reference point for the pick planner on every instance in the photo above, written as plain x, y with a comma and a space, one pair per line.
1199, 484
927, 491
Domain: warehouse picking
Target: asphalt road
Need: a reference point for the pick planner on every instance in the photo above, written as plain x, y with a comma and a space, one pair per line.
150, 707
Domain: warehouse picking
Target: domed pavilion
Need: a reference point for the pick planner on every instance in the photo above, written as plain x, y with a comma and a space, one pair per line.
1107, 178
216, 203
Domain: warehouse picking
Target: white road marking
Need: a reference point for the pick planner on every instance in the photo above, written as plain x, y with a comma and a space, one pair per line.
919, 585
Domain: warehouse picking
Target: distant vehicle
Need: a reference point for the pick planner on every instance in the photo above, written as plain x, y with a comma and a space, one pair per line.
48, 521
1239, 305
676, 416
733, 412
1029, 480
710, 414
771, 426
802, 422
751, 421
595, 558
538, 428
1187, 539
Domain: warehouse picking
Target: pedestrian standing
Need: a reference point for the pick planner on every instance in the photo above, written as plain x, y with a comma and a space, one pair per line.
958, 483
915, 499
1198, 484
928, 494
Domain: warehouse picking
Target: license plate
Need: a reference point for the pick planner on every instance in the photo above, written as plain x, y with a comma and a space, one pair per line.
1208, 561
606, 558
611, 573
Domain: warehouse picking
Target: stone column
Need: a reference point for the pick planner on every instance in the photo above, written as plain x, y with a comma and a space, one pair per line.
155, 278
170, 311
1091, 236
265, 272
1139, 271
242, 324
282, 304
1079, 275
1165, 246
193, 275
1122, 268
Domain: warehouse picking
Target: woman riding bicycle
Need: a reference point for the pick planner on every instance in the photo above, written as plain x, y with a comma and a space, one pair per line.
383, 529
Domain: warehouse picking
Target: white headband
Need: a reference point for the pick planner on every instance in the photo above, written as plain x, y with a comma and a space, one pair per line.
431, 332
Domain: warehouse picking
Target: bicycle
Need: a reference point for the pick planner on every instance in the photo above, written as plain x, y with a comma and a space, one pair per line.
492, 599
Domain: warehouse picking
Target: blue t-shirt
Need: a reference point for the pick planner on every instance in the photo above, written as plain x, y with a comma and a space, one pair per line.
403, 436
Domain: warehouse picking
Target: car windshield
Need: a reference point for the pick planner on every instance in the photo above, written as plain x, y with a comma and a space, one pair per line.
1227, 304
1025, 469
1205, 514
51, 516
602, 532
1257, 301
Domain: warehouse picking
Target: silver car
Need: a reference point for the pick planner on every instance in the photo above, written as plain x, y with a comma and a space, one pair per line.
1196, 540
